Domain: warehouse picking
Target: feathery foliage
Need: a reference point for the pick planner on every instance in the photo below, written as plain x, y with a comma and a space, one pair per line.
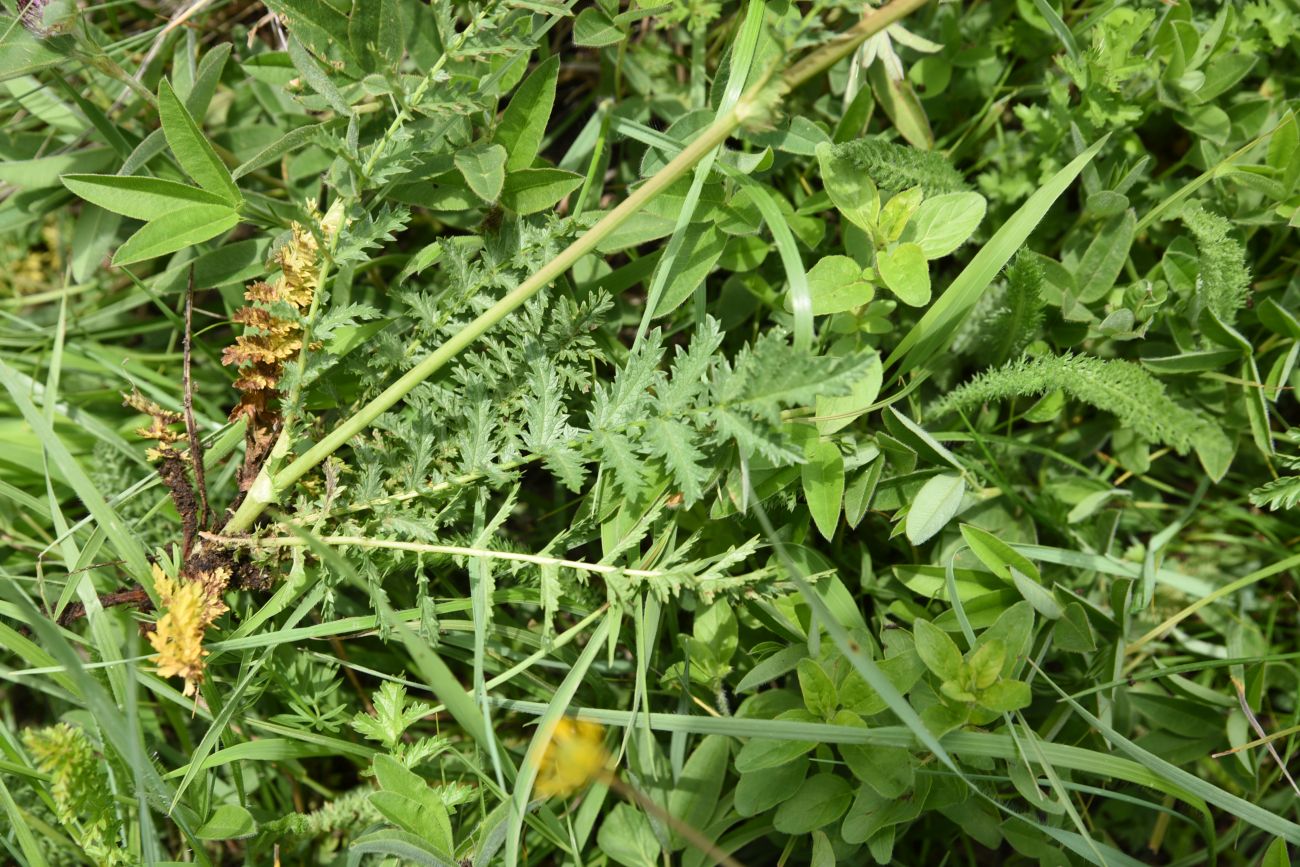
896, 167
1138, 400
1223, 286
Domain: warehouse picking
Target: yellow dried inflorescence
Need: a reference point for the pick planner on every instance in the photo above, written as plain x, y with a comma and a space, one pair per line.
160, 426
269, 339
189, 608
574, 757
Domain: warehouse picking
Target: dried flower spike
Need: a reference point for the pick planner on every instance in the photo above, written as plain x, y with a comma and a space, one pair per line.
189, 607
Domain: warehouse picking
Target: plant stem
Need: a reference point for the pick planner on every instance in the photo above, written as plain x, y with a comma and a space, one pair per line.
749, 108
688, 831
449, 550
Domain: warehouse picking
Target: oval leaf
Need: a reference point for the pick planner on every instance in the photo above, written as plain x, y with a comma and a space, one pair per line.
943, 223
191, 147
190, 225
935, 504
906, 273
136, 197
823, 484
528, 191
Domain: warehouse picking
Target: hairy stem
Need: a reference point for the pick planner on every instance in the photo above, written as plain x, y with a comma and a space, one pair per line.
750, 107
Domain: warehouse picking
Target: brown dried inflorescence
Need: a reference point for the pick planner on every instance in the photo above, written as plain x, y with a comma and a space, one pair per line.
273, 333
268, 341
170, 459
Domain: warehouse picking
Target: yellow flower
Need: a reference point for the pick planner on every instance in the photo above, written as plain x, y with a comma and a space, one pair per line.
573, 757
178, 635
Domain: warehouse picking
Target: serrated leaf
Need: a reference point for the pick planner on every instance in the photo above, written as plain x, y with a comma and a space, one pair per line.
675, 443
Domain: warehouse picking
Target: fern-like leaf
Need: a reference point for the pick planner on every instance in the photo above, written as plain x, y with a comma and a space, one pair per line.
1283, 493
1121, 388
1021, 315
894, 167
1224, 282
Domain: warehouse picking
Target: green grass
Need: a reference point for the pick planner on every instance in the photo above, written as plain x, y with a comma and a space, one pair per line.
655, 366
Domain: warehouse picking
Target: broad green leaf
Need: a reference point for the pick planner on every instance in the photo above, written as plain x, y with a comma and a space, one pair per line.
192, 148
523, 123
943, 223
321, 25
702, 246
426, 818
933, 507
92, 238
182, 228
21, 53
46, 171
1276, 856
1036, 595
527, 191
228, 822
985, 663
906, 272
939, 652
836, 285
896, 213
1104, 259
836, 413
823, 483
759, 754
627, 838
695, 796
823, 852
890, 771
594, 29
717, 628
139, 198
822, 799
761, 790
287, 143
819, 694
1073, 633
1005, 696
853, 193
483, 167
898, 99
996, 555
406, 847
309, 69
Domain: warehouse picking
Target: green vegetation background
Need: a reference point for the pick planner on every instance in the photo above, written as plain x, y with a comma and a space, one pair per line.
881, 422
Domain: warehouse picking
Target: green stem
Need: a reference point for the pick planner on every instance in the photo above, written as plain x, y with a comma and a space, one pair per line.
750, 107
